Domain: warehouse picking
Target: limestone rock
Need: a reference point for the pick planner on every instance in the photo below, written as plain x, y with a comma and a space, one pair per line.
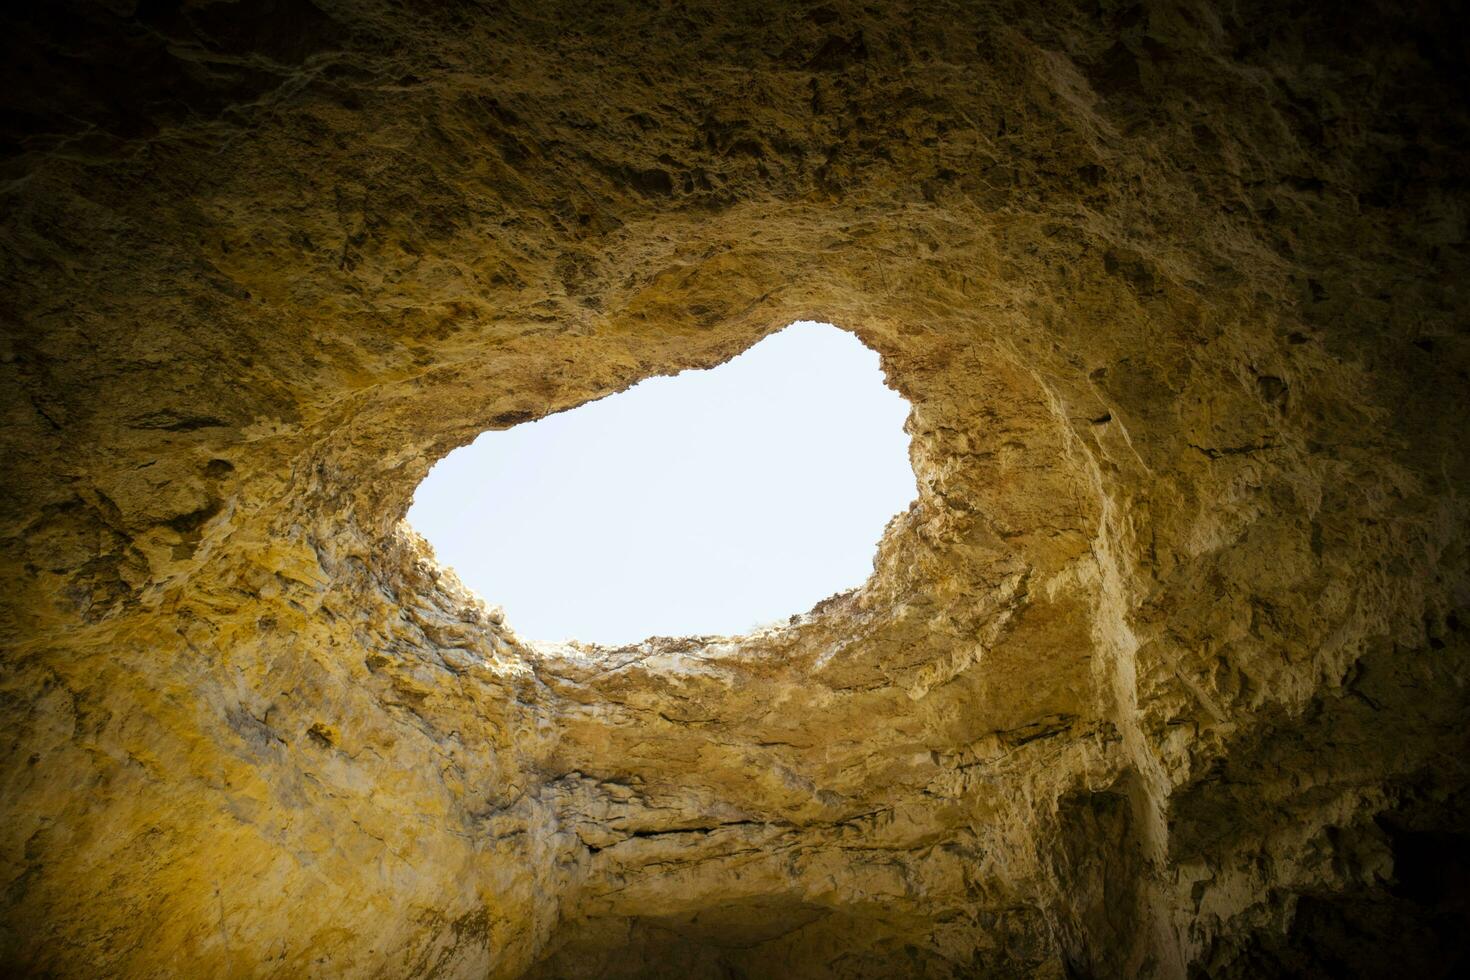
1163, 674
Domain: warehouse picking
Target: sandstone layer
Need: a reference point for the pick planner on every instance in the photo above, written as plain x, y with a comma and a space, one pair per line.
1162, 675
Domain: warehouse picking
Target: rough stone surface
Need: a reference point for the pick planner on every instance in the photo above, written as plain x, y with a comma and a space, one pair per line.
1162, 675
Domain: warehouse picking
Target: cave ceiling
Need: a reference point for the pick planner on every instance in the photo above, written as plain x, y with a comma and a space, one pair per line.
1162, 674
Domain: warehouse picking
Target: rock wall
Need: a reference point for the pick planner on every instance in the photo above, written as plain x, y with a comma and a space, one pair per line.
1162, 675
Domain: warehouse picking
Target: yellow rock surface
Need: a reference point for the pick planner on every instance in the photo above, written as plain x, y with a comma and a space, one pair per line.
1163, 674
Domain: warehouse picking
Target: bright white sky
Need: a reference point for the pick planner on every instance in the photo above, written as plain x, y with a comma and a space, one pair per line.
710, 502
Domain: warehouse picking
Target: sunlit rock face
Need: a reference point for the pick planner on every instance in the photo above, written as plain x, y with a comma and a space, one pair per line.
1163, 674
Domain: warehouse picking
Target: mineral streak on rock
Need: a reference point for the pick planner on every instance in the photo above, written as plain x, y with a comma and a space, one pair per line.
1162, 675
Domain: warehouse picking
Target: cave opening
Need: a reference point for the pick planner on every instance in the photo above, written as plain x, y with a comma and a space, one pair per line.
709, 502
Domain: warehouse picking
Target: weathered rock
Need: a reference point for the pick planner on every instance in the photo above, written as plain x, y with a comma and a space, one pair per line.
1163, 673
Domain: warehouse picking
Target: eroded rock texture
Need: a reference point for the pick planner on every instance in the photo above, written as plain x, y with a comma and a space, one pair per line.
1162, 675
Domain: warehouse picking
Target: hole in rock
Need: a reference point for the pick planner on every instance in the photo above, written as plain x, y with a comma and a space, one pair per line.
705, 503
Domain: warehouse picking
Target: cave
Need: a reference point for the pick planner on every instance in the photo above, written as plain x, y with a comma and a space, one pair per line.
1162, 674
